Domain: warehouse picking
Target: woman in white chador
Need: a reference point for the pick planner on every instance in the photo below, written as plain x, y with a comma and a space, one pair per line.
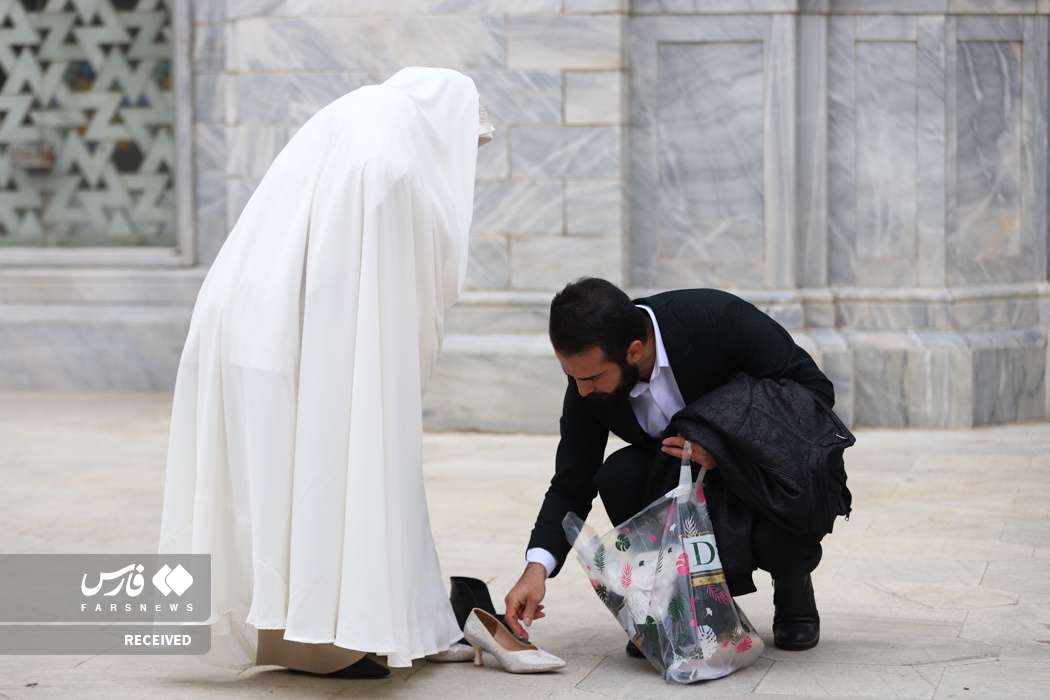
296, 435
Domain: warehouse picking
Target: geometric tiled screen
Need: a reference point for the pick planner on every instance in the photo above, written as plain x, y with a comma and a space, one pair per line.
87, 143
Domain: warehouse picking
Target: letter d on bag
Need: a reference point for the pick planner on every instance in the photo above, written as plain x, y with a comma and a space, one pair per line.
701, 552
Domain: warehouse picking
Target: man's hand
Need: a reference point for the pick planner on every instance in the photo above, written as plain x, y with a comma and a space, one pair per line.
673, 447
523, 601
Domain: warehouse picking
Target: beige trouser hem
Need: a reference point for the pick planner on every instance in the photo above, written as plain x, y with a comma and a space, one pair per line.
275, 650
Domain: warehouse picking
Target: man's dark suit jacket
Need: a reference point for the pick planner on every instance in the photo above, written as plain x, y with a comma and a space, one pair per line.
709, 335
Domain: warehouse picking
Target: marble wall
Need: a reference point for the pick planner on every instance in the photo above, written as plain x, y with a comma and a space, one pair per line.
873, 173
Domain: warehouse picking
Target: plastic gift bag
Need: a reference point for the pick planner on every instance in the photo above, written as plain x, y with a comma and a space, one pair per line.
660, 575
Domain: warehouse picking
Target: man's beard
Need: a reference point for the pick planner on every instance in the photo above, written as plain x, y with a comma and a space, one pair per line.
629, 375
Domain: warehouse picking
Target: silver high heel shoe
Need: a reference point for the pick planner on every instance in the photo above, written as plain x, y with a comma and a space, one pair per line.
483, 631
455, 653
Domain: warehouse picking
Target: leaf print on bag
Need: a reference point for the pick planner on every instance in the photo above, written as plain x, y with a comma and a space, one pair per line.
708, 641
690, 525
623, 543
602, 592
719, 594
682, 564
676, 608
625, 577
744, 644
599, 558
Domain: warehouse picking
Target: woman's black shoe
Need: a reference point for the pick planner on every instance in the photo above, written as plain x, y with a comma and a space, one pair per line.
365, 668
796, 624
469, 593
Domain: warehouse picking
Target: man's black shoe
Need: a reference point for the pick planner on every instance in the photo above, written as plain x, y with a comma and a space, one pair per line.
634, 651
796, 624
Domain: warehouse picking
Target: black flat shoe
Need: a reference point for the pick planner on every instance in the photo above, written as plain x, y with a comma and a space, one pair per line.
365, 668
634, 651
796, 624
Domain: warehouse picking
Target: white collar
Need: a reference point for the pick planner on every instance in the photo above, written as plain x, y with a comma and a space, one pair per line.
661, 357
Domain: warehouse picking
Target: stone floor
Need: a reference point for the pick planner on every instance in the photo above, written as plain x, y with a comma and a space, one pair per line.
937, 587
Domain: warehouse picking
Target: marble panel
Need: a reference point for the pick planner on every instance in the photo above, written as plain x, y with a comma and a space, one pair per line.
894, 314
842, 216
698, 7
780, 144
913, 380
310, 44
989, 27
209, 97
1009, 375
483, 7
500, 383
835, 358
460, 41
478, 311
494, 157
553, 42
317, 8
209, 49
930, 152
209, 146
58, 286
488, 263
710, 153
996, 312
521, 207
520, 97
926, 6
988, 165
812, 134
886, 131
897, 27
551, 263
595, 97
569, 151
210, 194
263, 100
1035, 244
211, 234
91, 348
887, 273
597, 6
251, 149
308, 93
237, 9
209, 11
594, 208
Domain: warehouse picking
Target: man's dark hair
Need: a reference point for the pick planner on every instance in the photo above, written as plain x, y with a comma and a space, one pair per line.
592, 312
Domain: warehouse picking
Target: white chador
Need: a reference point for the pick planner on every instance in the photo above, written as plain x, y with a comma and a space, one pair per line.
296, 433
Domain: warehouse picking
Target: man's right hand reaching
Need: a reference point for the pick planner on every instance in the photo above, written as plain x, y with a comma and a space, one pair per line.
523, 601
